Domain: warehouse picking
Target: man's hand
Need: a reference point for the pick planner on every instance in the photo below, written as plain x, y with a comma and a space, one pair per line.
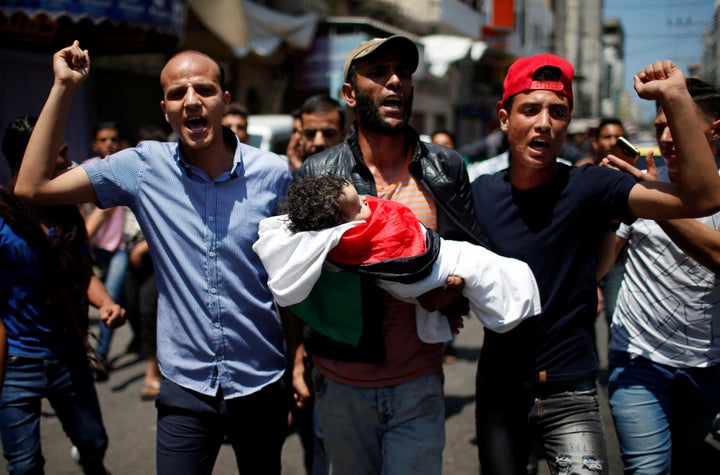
301, 377
650, 173
456, 323
659, 78
112, 315
71, 65
442, 297
295, 151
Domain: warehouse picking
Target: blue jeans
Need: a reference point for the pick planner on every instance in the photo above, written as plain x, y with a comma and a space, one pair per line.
191, 427
112, 266
512, 415
662, 415
68, 385
308, 429
389, 430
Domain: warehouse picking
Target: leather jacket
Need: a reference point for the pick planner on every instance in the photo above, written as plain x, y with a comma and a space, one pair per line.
443, 173
441, 170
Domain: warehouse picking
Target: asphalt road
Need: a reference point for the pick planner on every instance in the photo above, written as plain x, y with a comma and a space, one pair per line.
130, 422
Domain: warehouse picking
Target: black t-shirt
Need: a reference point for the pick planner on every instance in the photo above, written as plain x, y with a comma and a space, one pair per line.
555, 228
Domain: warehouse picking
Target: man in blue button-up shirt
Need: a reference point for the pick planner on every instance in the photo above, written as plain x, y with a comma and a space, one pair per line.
198, 201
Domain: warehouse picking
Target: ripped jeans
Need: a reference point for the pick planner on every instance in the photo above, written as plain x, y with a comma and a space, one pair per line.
511, 416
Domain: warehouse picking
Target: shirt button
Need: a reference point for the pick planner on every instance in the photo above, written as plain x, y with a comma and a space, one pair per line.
213, 290
211, 218
217, 324
211, 254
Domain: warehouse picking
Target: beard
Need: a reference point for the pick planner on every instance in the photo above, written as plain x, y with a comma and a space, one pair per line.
369, 117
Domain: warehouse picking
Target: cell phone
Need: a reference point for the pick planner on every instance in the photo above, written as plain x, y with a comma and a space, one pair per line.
625, 150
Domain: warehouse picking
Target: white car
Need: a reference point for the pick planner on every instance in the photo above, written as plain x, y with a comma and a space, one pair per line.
270, 131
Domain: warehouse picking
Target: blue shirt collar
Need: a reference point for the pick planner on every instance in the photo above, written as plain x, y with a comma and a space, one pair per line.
229, 137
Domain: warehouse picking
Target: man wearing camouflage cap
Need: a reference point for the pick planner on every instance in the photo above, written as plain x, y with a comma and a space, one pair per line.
380, 399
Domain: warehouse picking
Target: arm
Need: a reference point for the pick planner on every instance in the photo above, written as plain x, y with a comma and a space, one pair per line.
97, 218
36, 181
697, 240
296, 356
111, 314
448, 299
697, 190
294, 151
610, 247
138, 254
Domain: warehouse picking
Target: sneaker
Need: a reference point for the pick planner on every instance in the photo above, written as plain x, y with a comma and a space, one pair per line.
148, 392
75, 454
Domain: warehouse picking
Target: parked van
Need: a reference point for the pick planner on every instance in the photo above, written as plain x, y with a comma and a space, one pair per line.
270, 131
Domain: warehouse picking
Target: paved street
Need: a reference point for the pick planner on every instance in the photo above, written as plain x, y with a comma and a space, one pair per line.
130, 422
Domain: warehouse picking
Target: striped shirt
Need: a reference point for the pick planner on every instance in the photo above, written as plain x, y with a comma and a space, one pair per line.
216, 320
109, 236
407, 357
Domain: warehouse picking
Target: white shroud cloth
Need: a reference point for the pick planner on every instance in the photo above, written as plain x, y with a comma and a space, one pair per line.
502, 291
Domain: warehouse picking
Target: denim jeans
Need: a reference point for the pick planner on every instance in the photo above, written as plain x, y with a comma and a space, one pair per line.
113, 266
388, 430
662, 415
308, 429
68, 385
191, 428
512, 415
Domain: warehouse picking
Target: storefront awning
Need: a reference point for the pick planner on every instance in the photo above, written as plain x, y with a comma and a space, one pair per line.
248, 27
163, 15
103, 26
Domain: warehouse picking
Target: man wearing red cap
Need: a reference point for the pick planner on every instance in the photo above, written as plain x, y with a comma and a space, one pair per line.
539, 379
380, 398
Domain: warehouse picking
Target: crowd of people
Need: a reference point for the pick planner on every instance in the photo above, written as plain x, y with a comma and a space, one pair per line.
542, 235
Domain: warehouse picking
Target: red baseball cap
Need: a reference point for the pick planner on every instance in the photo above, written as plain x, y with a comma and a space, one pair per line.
519, 77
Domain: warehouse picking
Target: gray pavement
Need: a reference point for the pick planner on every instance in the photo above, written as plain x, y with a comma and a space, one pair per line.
130, 422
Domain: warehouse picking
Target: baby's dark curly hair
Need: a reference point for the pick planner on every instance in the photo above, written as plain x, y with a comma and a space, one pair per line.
313, 203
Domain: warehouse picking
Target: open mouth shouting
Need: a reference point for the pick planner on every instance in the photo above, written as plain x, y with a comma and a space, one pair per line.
539, 145
196, 125
393, 103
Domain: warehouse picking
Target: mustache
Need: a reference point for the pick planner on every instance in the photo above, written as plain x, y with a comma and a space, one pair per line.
367, 112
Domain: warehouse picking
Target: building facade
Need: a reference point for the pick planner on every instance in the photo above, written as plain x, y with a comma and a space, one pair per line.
278, 52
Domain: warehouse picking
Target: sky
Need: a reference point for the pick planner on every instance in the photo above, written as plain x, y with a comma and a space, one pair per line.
660, 29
